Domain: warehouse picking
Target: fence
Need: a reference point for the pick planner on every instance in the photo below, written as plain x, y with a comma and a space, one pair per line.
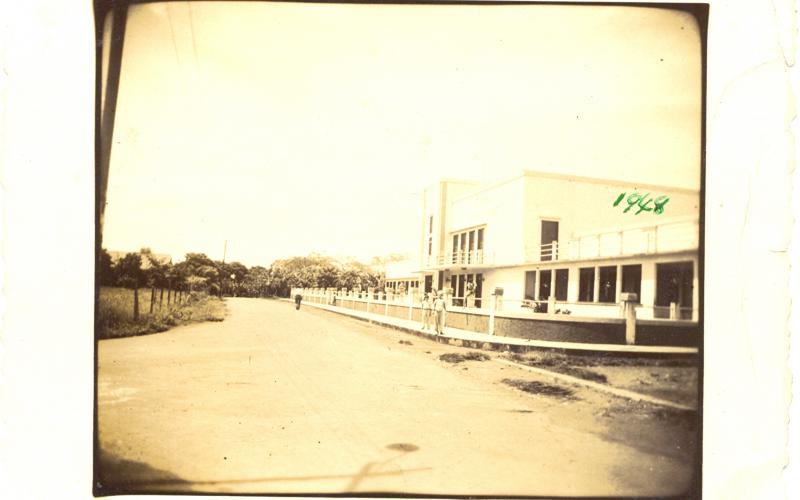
540, 320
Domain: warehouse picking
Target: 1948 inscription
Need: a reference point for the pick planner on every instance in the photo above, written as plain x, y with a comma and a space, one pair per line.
643, 202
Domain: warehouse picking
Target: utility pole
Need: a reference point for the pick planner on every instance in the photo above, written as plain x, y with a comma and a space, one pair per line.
224, 253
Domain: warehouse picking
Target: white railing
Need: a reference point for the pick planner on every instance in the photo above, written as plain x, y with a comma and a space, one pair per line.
661, 238
459, 257
379, 301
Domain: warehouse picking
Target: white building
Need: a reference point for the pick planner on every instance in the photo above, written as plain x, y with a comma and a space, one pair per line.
569, 243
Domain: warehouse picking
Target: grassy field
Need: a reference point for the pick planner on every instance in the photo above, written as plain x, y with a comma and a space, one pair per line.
115, 312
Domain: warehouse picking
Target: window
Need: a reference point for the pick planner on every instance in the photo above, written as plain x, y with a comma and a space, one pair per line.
549, 234
608, 284
478, 289
632, 280
586, 284
467, 247
544, 284
530, 285
562, 283
674, 285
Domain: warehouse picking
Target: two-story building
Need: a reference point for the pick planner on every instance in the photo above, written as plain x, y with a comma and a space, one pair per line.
571, 244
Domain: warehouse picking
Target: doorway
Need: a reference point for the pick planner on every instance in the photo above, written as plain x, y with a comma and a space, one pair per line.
549, 235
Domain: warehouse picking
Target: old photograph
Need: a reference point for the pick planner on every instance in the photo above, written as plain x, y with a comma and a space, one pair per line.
399, 249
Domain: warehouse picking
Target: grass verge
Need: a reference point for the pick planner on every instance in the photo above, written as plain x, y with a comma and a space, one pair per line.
456, 357
534, 387
115, 312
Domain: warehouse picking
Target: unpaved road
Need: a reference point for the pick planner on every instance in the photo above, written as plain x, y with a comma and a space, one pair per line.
274, 400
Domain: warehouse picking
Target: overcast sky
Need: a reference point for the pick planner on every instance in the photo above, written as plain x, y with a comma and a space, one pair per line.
291, 128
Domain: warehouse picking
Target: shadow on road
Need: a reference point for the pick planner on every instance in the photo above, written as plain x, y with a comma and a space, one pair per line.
116, 476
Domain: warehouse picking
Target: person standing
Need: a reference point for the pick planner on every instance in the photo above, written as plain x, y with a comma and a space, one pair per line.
426, 311
470, 296
297, 299
439, 309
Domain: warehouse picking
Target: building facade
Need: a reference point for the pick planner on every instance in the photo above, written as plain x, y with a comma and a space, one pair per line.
562, 244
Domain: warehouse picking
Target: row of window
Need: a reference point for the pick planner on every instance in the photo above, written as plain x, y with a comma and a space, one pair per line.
606, 290
405, 284
466, 287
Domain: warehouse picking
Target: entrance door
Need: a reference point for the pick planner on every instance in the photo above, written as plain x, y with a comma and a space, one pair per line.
674, 284
549, 235
428, 283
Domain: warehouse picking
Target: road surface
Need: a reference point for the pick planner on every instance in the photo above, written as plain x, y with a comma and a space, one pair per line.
274, 400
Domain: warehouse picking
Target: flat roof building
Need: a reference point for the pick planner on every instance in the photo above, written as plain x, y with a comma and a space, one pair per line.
562, 244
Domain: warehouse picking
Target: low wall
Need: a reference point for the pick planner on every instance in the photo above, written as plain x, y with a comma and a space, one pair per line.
542, 326
674, 333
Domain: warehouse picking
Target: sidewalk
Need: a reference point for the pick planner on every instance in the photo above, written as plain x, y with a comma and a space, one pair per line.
476, 340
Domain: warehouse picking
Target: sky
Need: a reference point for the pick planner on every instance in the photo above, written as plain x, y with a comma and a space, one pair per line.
286, 129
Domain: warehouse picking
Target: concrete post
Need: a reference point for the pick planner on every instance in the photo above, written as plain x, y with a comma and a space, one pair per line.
618, 286
629, 308
554, 250
673, 310
410, 301
596, 297
551, 304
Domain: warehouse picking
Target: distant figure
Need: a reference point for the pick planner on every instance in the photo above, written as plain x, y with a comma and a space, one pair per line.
297, 299
439, 308
470, 294
427, 303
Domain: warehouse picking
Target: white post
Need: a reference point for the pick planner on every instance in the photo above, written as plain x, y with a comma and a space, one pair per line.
410, 306
596, 297
630, 323
554, 250
369, 299
673, 310
618, 284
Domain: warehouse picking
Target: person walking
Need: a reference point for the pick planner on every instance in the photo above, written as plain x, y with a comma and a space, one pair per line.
426, 311
297, 299
439, 309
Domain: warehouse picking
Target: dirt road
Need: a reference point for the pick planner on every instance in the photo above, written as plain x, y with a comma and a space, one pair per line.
274, 400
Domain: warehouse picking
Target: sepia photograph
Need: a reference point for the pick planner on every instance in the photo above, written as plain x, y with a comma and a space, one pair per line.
444, 249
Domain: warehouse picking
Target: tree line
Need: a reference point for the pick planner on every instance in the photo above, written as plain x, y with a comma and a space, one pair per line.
198, 273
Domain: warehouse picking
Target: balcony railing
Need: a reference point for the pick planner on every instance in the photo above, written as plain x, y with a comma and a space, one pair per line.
669, 237
459, 257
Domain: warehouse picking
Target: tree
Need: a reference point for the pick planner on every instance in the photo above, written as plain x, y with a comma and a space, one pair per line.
240, 272
201, 272
105, 269
129, 270
257, 282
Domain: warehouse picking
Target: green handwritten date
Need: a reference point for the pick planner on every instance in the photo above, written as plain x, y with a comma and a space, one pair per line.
643, 202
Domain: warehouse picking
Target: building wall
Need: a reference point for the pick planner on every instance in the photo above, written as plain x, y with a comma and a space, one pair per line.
500, 209
585, 206
435, 203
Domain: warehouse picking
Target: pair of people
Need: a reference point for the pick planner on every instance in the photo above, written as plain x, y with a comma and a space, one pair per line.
434, 305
